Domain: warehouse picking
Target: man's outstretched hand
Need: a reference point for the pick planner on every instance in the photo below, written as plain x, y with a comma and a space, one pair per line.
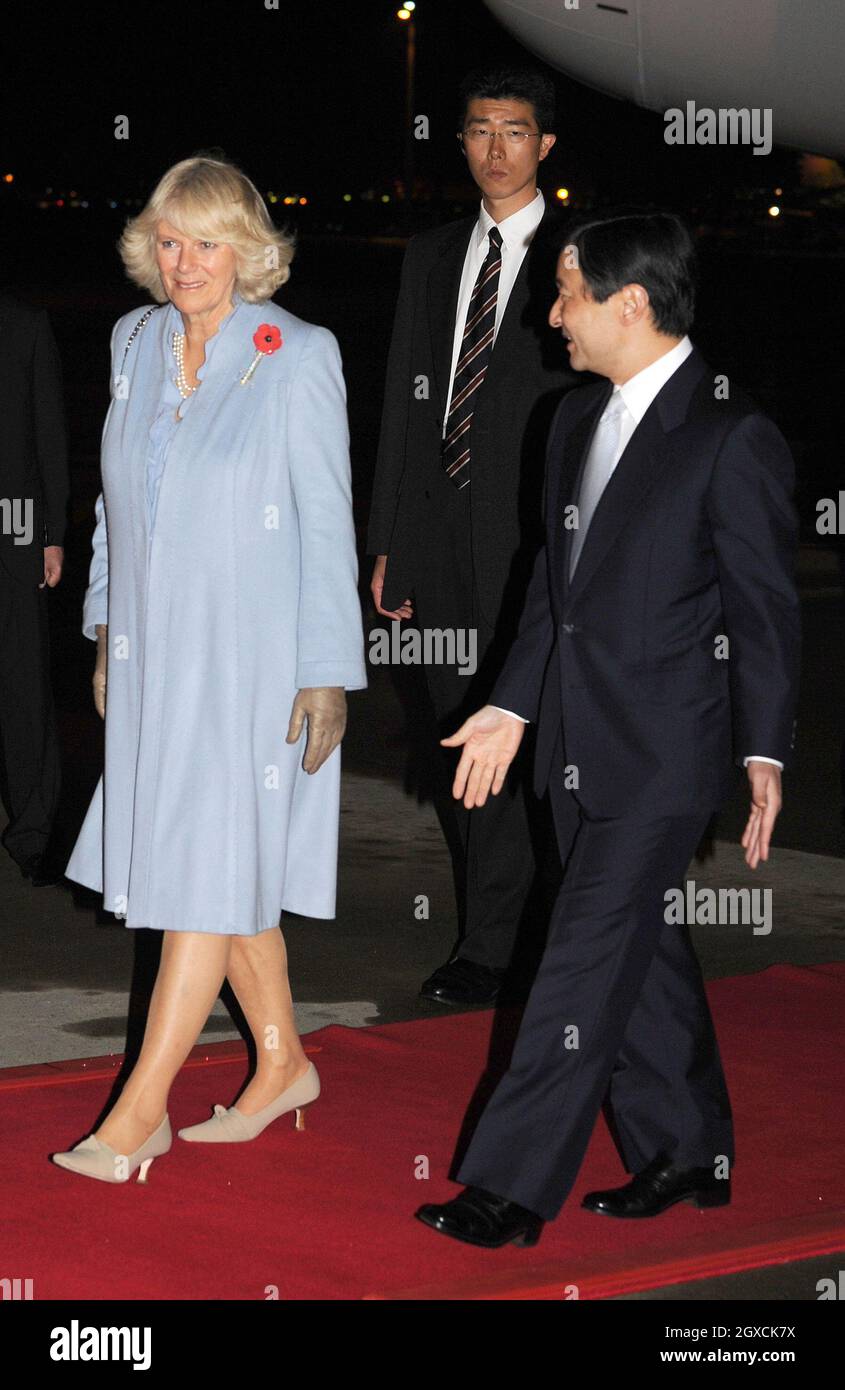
766, 802
491, 739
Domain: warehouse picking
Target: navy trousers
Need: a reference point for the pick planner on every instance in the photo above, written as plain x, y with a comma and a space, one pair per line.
30, 768
617, 1010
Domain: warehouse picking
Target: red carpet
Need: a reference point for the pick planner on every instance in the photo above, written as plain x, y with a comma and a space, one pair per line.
327, 1213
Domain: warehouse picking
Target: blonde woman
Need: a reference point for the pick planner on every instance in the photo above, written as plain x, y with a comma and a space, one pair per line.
223, 600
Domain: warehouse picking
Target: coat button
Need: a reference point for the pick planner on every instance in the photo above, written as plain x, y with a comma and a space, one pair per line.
568, 627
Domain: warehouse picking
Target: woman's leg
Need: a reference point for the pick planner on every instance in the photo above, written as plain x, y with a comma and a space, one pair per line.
190, 976
258, 973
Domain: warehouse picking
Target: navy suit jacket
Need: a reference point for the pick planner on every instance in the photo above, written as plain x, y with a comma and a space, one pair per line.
693, 541
33, 461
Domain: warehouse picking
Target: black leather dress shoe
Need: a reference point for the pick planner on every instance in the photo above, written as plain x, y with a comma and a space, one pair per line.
462, 981
659, 1186
481, 1218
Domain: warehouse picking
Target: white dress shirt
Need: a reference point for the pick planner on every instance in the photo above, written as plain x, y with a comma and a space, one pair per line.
517, 234
637, 393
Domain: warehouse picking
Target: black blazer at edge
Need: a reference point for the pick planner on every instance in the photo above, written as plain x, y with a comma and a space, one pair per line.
33, 459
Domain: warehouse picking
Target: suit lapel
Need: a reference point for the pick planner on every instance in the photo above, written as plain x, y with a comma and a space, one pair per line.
511, 329
631, 480
444, 281
568, 479
640, 467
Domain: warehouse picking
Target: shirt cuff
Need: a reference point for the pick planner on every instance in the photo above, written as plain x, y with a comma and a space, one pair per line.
511, 713
755, 759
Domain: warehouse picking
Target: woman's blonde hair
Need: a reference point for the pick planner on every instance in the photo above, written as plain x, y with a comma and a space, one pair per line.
210, 199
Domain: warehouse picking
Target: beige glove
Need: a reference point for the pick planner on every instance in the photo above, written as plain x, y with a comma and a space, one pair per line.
325, 708
98, 680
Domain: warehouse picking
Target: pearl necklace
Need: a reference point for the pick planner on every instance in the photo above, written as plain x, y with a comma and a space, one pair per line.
179, 353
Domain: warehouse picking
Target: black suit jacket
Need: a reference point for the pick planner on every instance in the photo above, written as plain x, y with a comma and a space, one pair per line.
515, 404
33, 459
694, 538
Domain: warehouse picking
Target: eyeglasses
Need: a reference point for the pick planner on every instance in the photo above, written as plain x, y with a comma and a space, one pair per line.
477, 134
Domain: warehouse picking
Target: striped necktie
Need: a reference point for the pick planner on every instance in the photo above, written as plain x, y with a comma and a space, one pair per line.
476, 346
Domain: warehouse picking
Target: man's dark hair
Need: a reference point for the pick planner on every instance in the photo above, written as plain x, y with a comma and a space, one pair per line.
510, 84
638, 246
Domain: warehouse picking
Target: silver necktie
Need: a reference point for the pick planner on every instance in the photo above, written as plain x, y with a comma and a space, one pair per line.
597, 471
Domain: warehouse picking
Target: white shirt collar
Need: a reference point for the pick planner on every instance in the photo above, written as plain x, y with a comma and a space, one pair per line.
639, 391
518, 229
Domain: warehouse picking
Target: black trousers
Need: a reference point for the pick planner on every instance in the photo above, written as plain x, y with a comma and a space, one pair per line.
30, 777
496, 849
617, 1011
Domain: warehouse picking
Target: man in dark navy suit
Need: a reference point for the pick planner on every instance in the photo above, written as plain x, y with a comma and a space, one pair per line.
658, 647
34, 487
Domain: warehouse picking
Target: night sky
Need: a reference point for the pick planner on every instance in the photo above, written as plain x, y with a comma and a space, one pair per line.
308, 98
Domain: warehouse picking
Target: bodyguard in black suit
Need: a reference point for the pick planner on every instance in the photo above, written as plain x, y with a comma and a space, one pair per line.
681, 555
473, 380
34, 490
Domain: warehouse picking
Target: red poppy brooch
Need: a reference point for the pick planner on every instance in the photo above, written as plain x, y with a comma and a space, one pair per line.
267, 340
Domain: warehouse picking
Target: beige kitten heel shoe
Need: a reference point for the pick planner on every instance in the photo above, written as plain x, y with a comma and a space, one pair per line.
96, 1160
231, 1127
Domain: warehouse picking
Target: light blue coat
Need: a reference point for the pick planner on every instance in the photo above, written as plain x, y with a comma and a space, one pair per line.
243, 592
